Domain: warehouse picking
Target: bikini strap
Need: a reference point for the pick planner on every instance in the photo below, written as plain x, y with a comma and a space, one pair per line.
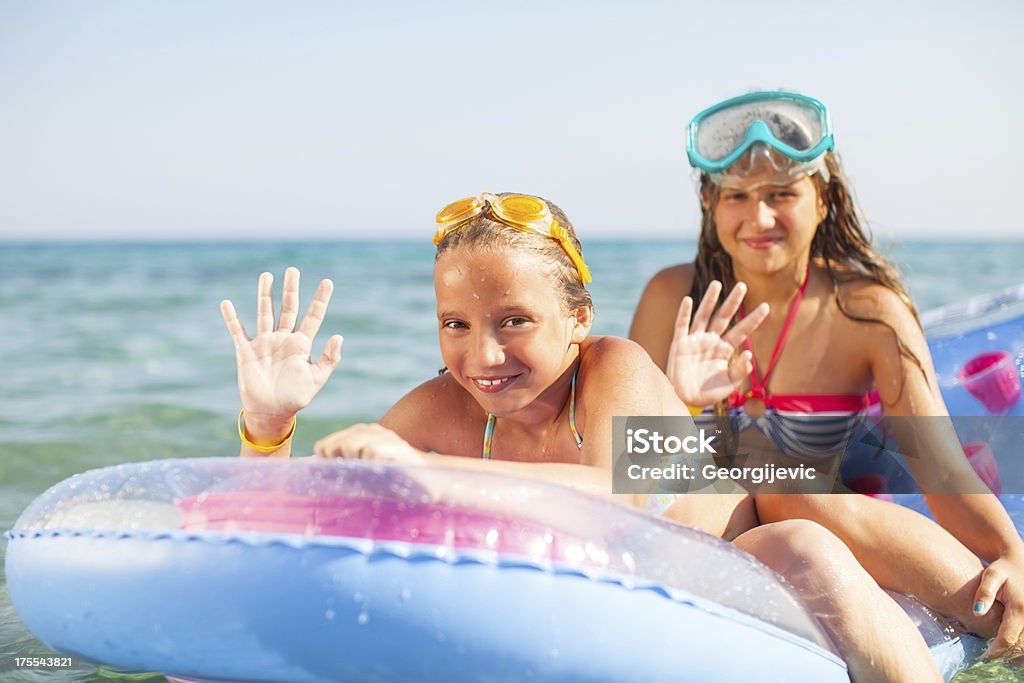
491, 420
759, 383
489, 435
572, 410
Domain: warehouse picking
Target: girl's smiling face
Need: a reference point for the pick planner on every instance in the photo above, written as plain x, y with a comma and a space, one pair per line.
504, 330
768, 226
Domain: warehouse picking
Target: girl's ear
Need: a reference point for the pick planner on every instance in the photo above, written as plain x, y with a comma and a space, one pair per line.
583, 320
822, 206
705, 200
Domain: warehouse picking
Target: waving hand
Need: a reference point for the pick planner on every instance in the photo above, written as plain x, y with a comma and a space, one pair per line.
703, 364
276, 375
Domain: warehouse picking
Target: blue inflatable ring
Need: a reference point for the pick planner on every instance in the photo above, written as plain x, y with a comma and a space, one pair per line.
314, 571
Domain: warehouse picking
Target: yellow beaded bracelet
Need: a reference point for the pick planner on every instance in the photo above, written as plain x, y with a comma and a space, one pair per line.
695, 410
264, 449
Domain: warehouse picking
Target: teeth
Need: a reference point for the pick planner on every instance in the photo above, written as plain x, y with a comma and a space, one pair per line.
491, 382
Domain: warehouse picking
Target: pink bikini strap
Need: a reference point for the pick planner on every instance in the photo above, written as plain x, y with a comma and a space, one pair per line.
759, 384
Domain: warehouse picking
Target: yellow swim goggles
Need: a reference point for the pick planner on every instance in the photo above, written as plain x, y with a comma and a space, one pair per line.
519, 211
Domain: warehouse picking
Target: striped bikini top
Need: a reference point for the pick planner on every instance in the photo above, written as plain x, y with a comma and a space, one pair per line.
491, 420
810, 427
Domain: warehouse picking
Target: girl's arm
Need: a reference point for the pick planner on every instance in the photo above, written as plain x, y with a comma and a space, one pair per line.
437, 424
377, 441
933, 450
911, 395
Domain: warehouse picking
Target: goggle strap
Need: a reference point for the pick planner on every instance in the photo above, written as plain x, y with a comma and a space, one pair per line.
559, 232
448, 224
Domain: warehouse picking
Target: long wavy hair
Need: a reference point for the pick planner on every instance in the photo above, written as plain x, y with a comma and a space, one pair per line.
842, 244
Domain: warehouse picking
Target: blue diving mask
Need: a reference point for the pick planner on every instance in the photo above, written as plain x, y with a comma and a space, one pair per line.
743, 135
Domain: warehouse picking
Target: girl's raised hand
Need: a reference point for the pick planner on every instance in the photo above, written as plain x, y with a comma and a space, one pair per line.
276, 375
703, 365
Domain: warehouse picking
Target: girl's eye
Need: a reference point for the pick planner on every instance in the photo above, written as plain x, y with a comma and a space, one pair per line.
734, 196
454, 325
516, 321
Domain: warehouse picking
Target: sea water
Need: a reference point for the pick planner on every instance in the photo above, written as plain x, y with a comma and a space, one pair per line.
113, 353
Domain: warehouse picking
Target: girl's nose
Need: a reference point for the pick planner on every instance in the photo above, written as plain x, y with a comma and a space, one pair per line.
489, 350
763, 215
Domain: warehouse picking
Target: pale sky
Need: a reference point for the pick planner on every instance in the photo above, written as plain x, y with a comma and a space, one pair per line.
199, 119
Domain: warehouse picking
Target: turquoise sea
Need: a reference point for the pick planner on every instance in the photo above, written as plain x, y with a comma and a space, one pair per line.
117, 352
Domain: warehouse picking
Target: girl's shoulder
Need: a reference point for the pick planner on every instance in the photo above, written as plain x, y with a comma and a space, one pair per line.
616, 357
660, 297
438, 401
439, 396
619, 377
601, 347
657, 309
876, 316
866, 298
673, 282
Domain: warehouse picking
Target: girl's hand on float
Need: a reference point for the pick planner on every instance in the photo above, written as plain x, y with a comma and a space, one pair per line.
368, 442
1003, 580
703, 363
276, 376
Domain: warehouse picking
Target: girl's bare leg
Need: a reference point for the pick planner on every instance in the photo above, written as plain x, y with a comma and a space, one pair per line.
873, 634
903, 550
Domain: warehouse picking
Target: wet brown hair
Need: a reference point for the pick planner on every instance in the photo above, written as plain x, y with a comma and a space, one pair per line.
484, 232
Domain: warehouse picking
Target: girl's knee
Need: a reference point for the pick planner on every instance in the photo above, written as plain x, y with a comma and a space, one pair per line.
775, 507
796, 535
799, 545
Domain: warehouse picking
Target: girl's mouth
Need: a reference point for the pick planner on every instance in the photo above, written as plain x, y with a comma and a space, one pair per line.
762, 243
492, 385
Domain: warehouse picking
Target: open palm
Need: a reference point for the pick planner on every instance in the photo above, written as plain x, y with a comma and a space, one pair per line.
703, 364
276, 375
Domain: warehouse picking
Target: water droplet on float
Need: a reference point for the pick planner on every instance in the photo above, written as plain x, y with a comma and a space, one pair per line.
329, 615
405, 594
362, 618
